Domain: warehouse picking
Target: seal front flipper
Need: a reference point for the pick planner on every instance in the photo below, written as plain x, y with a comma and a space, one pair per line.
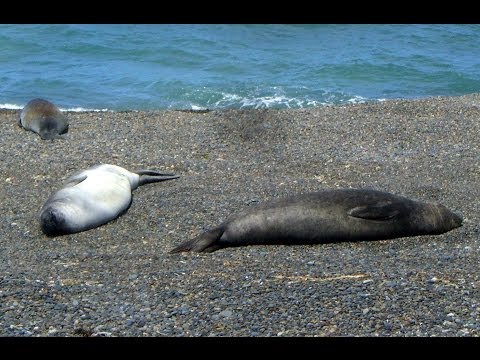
382, 210
75, 180
206, 242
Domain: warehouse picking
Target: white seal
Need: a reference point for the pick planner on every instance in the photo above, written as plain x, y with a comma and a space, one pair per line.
93, 197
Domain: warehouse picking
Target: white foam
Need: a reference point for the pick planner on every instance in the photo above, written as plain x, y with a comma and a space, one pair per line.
11, 106
196, 107
229, 100
80, 109
357, 100
264, 101
74, 109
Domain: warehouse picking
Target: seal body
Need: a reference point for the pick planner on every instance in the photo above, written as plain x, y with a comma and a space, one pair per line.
327, 216
93, 197
43, 118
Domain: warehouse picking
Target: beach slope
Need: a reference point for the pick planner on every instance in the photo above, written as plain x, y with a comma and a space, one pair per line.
120, 280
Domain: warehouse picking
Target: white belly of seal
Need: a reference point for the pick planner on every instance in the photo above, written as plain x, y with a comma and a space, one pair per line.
101, 197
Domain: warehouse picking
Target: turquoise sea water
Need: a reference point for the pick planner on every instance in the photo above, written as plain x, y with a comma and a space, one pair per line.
194, 66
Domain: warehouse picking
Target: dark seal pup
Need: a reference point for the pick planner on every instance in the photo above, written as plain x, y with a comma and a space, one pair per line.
93, 197
44, 118
327, 216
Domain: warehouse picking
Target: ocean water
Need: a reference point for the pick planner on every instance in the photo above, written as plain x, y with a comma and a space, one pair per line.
215, 66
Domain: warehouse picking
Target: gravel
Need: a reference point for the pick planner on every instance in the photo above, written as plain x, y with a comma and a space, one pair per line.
120, 280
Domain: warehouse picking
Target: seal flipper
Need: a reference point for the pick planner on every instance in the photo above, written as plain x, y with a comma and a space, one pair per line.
148, 176
75, 179
206, 242
383, 210
153, 172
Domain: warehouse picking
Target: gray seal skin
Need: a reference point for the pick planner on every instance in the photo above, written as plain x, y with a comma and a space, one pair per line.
43, 118
327, 216
93, 197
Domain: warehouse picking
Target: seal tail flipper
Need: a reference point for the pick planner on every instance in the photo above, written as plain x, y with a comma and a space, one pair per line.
151, 176
206, 242
153, 172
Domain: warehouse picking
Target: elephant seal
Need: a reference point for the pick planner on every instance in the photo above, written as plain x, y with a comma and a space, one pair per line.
44, 118
327, 216
93, 197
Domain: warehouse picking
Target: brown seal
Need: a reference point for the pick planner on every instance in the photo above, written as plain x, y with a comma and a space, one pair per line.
327, 216
44, 118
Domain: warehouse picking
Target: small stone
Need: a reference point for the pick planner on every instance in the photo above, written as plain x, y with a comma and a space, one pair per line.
226, 313
102, 334
387, 326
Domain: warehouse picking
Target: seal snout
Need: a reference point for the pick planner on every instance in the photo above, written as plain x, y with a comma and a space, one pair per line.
52, 222
448, 219
51, 129
457, 220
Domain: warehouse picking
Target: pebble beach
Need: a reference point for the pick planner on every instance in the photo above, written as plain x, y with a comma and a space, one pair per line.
119, 279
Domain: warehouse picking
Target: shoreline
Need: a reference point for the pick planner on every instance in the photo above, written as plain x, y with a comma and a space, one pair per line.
119, 280
79, 109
